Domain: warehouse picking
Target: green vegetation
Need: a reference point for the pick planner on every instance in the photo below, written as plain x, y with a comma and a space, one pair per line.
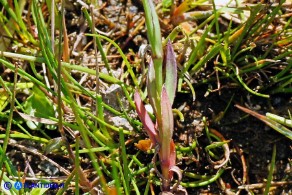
57, 110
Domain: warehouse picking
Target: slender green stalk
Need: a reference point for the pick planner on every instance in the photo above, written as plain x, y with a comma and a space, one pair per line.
129, 67
59, 75
24, 136
116, 176
10, 169
215, 145
197, 176
68, 182
247, 88
203, 182
105, 169
187, 149
77, 163
191, 88
97, 42
137, 161
100, 114
272, 167
172, 35
125, 162
25, 75
134, 183
9, 122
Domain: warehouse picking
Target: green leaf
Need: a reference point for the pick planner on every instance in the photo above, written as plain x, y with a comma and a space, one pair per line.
166, 130
167, 151
153, 28
170, 72
3, 99
151, 87
38, 105
167, 116
167, 3
54, 144
154, 36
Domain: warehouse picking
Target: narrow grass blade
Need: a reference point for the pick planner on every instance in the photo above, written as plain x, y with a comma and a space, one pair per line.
125, 167
213, 52
279, 119
273, 124
10, 119
77, 162
100, 113
115, 176
197, 52
246, 87
271, 172
245, 29
129, 66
